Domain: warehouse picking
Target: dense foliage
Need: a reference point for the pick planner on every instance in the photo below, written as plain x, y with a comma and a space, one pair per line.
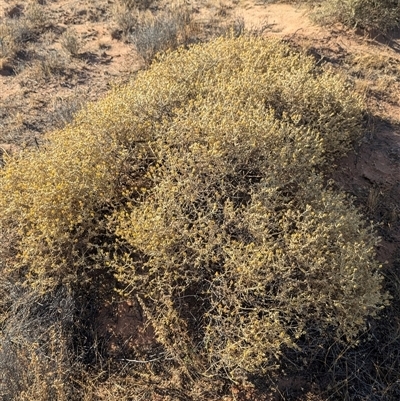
199, 186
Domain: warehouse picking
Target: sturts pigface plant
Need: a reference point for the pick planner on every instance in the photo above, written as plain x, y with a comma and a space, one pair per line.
200, 186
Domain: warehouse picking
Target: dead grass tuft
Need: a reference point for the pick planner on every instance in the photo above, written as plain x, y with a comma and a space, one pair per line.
47, 64
126, 19
71, 42
157, 33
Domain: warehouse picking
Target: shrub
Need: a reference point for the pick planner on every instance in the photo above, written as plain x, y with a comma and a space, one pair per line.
49, 63
140, 4
7, 47
12, 35
159, 33
381, 15
71, 42
36, 16
126, 18
199, 186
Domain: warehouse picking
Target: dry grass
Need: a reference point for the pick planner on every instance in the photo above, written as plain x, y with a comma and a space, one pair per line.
382, 15
36, 16
139, 4
34, 354
49, 64
71, 42
65, 110
373, 199
126, 19
162, 32
376, 75
371, 15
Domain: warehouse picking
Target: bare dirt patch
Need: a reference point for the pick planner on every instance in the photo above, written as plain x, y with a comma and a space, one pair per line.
43, 78
372, 174
124, 329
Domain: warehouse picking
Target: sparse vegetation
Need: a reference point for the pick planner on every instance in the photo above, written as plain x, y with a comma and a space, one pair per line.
378, 15
24, 26
381, 15
34, 357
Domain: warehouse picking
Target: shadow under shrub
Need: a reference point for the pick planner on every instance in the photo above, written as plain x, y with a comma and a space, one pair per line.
199, 186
